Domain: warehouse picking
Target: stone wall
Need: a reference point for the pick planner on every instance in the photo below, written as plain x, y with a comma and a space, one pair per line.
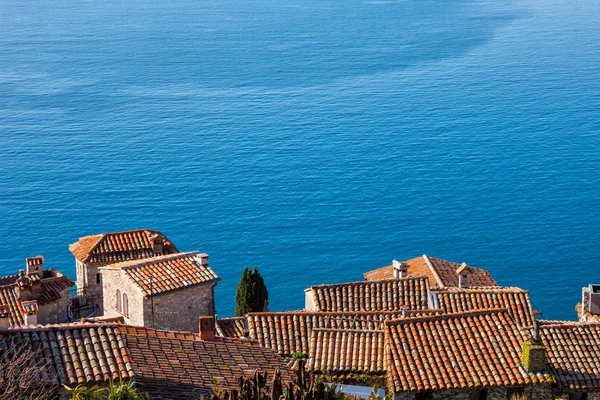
113, 279
87, 275
179, 310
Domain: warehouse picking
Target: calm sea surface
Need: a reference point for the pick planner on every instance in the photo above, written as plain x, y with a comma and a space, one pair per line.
316, 139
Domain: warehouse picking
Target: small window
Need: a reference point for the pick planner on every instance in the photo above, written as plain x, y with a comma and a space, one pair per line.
98, 278
510, 392
481, 394
428, 395
119, 301
125, 305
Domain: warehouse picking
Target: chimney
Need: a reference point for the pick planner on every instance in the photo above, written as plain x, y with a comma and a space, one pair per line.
206, 325
203, 259
23, 287
35, 265
31, 310
463, 273
4, 313
534, 355
400, 269
157, 244
593, 303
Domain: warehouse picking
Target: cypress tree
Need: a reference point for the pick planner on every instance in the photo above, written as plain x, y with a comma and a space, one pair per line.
251, 293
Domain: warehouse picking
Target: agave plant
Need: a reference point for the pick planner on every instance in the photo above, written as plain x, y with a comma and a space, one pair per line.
82, 392
125, 391
519, 397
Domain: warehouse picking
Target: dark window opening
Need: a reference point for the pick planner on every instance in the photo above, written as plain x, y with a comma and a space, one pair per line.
428, 395
98, 278
481, 394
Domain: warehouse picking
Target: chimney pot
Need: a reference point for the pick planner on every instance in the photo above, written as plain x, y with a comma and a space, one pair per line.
31, 310
35, 265
463, 276
203, 259
400, 269
206, 325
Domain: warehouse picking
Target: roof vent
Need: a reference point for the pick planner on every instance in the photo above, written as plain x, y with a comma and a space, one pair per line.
400, 269
594, 307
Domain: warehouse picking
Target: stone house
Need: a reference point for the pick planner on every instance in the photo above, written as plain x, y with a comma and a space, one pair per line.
95, 251
34, 296
166, 365
441, 273
170, 291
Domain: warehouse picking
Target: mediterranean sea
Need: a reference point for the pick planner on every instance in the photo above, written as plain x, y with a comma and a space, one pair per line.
315, 139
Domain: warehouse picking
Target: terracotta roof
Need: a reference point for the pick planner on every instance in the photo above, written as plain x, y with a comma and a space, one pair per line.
162, 274
76, 353
180, 359
343, 351
166, 364
457, 351
231, 327
515, 300
51, 286
9, 298
573, 353
120, 246
290, 332
440, 272
388, 295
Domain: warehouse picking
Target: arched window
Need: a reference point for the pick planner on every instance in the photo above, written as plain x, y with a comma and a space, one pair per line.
125, 305
118, 300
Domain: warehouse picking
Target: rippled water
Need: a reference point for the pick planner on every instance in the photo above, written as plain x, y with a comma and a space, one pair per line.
316, 139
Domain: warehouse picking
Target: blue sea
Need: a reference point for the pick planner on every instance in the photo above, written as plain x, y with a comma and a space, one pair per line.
315, 139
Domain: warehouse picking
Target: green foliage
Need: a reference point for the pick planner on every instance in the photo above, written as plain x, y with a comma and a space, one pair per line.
251, 293
299, 355
125, 391
82, 392
122, 391
304, 387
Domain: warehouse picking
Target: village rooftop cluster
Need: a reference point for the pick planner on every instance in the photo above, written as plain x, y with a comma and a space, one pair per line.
424, 328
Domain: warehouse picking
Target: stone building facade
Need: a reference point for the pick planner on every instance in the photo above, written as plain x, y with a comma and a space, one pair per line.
96, 251
34, 296
170, 291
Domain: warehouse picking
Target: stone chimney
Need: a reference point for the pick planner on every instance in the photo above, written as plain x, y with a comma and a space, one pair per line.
35, 265
23, 287
463, 273
4, 313
31, 311
203, 259
157, 244
206, 325
400, 269
534, 356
